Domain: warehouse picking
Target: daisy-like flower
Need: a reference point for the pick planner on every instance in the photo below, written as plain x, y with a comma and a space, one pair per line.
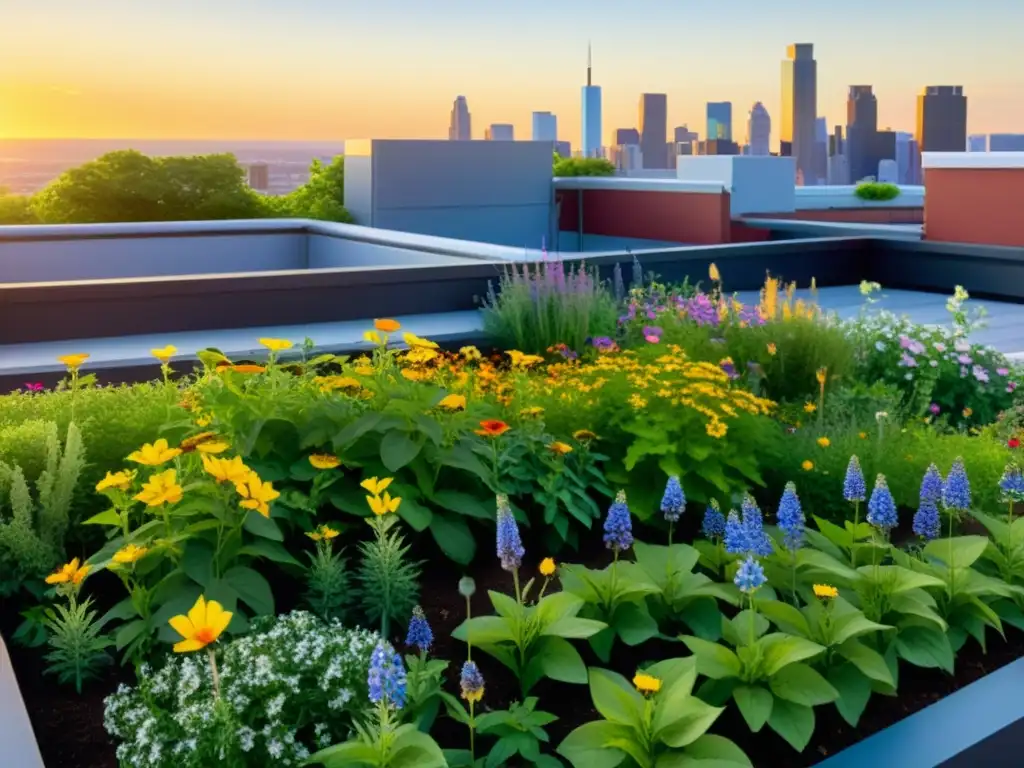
256, 494
130, 553
71, 573
324, 461
203, 625
825, 591
646, 684
154, 454
161, 488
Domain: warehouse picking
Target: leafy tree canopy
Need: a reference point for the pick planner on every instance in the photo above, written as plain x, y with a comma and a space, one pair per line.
582, 166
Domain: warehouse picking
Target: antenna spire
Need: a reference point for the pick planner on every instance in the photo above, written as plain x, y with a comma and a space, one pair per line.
589, 60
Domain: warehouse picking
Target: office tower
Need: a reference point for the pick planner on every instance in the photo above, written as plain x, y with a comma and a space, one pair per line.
563, 149
717, 147
719, 120
881, 148
625, 136
977, 143
838, 169
759, 130
683, 134
653, 126
627, 157
888, 173
799, 108
821, 150
591, 122
904, 165
942, 119
545, 127
459, 125
1006, 142
861, 127
259, 177
500, 132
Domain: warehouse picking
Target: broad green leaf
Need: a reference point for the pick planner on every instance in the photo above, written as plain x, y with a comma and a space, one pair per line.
415, 514
197, 561
504, 605
261, 526
110, 517
899, 579
780, 650
616, 698
414, 749
870, 663
464, 504
925, 647
854, 691
453, 536
717, 752
958, 552
912, 604
745, 627
252, 588
484, 630
785, 617
713, 660
852, 625
560, 661
634, 624
351, 754
755, 704
818, 562
591, 745
801, 684
573, 627
269, 549
793, 722
555, 606
691, 720
356, 429
398, 449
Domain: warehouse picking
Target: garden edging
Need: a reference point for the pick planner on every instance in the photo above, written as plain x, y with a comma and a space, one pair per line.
16, 735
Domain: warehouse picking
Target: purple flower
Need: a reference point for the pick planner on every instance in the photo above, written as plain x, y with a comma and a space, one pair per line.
713, 526
907, 361
980, 374
510, 548
1012, 484
926, 520
791, 518
854, 487
419, 636
386, 678
750, 576
882, 507
1003, 371
934, 408
758, 542
964, 359
956, 492
931, 485
618, 525
673, 501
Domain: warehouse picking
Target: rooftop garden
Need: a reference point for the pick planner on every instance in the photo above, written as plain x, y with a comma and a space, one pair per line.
653, 526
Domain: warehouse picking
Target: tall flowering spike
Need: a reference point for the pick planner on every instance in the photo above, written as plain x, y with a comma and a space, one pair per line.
882, 507
956, 493
750, 576
854, 487
713, 526
420, 635
471, 682
1012, 484
673, 502
758, 542
386, 679
735, 535
791, 518
618, 525
931, 485
510, 546
926, 520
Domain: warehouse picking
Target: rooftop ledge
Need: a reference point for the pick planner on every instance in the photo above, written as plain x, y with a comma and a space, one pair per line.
639, 185
973, 160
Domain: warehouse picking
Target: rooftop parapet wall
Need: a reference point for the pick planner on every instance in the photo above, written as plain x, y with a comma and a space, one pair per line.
974, 197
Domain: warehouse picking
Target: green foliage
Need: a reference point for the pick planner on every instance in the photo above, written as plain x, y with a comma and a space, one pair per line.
876, 190
321, 197
424, 690
668, 727
16, 209
388, 582
519, 731
540, 305
382, 744
327, 583
77, 645
581, 166
32, 532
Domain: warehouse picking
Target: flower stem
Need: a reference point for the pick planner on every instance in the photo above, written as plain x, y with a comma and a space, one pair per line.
472, 732
469, 640
670, 526
216, 674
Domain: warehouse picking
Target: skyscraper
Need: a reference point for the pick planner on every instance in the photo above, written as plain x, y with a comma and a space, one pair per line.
545, 127
591, 97
759, 130
942, 119
800, 107
719, 120
500, 132
821, 150
626, 137
459, 125
653, 123
861, 127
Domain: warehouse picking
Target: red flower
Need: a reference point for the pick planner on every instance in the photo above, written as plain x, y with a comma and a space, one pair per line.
1013, 442
492, 428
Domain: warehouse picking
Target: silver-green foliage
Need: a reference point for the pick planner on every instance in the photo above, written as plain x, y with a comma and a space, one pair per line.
388, 581
327, 584
78, 646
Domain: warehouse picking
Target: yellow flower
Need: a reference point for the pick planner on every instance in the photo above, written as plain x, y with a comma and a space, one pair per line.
206, 621
716, 428
637, 401
231, 470
154, 454
373, 337
381, 505
810, 407
324, 532
375, 486
420, 355
213, 446
73, 362
807, 466
862, 435
560, 448
161, 488
967, 413
415, 375
119, 480
453, 403
824, 442
203, 420
276, 345
246, 368
713, 274
324, 461
533, 410
825, 591
646, 683
387, 325
129, 554
772, 349
821, 375
547, 566
470, 353
520, 360
583, 435
413, 340
256, 494
72, 573
164, 354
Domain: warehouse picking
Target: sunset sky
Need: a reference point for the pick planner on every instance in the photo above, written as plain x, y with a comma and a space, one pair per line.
337, 69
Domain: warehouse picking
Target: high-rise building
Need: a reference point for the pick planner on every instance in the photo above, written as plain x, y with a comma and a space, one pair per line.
545, 127
719, 120
861, 127
759, 131
459, 126
977, 143
259, 177
627, 157
500, 132
799, 108
653, 126
626, 137
717, 147
1006, 142
563, 149
906, 158
942, 119
821, 150
591, 108
838, 171
888, 173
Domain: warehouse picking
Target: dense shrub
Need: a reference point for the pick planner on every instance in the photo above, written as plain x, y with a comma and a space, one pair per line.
582, 166
876, 190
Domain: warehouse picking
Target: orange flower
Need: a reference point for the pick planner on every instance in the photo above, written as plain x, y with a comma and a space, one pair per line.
452, 403
324, 461
247, 368
72, 573
492, 428
584, 435
73, 362
560, 448
387, 325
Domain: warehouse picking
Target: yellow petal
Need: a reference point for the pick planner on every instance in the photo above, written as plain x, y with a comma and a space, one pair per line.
188, 645
182, 626
217, 618
197, 614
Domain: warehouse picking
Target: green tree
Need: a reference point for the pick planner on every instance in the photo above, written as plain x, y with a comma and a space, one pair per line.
16, 209
582, 166
322, 197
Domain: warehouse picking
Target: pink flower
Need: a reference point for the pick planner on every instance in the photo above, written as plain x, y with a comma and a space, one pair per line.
34, 386
934, 408
652, 339
1003, 371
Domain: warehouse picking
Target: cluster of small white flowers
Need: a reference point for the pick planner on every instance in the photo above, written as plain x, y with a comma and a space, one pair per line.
290, 686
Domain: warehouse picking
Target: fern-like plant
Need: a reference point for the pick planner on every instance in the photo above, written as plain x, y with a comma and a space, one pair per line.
78, 646
327, 578
388, 581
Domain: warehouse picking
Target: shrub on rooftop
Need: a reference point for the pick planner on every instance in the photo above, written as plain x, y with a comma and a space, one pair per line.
876, 191
581, 166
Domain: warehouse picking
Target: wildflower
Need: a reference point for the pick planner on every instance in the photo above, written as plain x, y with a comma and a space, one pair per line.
1012, 484
509, 547
520, 360
420, 635
934, 408
34, 386
324, 461
713, 274
716, 428
646, 683
750, 576
154, 454
810, 407
386, 678
323, 533
452, 403
492, 428
881, 416
382, 505
161, 488
956, 492
926, 520
412, 340
881, 506
931, 485
118, 480
374, 486
559, 448
772, 349
532, 412
73, 362
673, 501
791, 518
205, 622
231, 470
758, 542
862, 435
387, 325
618, 525
164, 354
471, 682
547, 567
824, 442
735, 534
637, 401
130, 553
204, 442
854, 487
71, 573
967, 412
1013, 442
821, 375
825, 591
807, 465
256, 494
276, 345
583, 436
470, 353
713, 525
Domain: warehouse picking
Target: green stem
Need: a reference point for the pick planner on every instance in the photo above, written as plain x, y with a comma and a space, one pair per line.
670, 526
753, 610
472, 732
613, 582
469, 640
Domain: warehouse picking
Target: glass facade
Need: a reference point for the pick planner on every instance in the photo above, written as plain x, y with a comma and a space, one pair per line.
719, 117
591, 121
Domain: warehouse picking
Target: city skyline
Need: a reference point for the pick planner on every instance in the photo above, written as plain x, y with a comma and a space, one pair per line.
255, 71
